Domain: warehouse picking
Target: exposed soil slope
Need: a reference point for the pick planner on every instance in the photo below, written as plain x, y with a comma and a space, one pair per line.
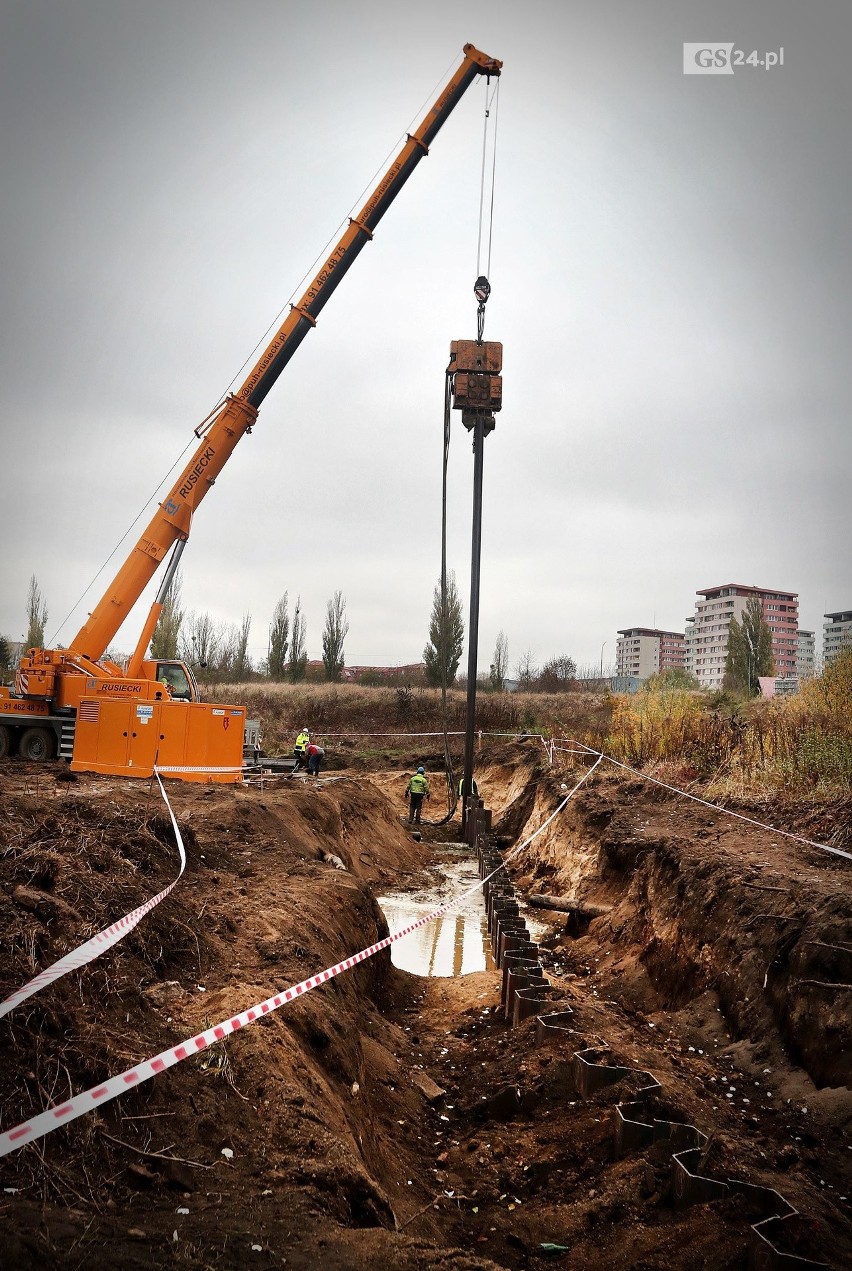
389, 1121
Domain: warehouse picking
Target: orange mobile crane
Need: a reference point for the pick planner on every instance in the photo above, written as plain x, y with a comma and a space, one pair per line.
126, 721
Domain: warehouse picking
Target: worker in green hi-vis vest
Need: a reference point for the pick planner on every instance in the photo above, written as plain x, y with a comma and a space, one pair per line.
300, 749
417, 790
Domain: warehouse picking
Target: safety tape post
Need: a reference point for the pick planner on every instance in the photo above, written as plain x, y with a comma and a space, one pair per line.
78, 1105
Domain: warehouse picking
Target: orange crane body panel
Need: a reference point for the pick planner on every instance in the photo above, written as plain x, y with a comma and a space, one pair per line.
192, 741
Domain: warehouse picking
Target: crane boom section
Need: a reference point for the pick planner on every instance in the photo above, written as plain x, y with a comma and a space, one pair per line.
173, 519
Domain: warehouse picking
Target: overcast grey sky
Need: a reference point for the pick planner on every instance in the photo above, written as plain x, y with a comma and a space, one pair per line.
670, 275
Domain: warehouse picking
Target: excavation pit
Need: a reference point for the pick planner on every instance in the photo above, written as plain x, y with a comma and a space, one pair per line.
394, 1119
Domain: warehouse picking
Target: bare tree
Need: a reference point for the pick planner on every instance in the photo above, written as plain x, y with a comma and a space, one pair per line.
279, 640
526, 671
164, 641
298, 657
199, 642
500, 665
223, 663
336, 631
36, 615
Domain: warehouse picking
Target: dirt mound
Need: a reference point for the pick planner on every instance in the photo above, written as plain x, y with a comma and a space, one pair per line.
385, 1120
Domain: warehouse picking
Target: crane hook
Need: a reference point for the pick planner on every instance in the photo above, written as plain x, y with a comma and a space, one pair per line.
482, 290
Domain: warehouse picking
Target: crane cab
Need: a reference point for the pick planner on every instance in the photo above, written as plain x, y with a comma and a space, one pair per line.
176, 676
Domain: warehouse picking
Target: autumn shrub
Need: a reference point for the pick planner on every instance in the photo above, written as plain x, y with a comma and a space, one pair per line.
656, 726
795, 744
812, 731
356, 710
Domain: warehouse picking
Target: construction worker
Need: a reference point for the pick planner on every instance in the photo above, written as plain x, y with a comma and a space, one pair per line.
175, 682
315, 755
417, 790
302, 742
475, 787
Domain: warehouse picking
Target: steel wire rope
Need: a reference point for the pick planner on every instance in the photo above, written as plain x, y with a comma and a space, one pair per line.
452, 791
145, 506
495, 97
276, 321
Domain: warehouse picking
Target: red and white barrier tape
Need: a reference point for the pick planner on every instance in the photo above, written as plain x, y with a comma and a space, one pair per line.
100, 943
357, 733
78, 1105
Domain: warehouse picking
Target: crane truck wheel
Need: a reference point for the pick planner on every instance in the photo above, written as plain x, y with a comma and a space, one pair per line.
37, 744
5, 742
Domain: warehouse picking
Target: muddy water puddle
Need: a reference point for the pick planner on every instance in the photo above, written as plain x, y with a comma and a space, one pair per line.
455, 944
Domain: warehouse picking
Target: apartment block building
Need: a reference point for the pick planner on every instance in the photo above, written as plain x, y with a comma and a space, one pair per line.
836, 634
712, 620
689, 644
642, 651
806, 654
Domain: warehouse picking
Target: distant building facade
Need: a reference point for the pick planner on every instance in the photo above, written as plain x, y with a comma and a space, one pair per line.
643, 651
624, 684
806, 654
771, 686
689, 645
355, 674
836, 634
713, 614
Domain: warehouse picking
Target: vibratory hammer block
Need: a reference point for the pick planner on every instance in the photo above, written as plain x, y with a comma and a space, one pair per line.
468, 355
477, 383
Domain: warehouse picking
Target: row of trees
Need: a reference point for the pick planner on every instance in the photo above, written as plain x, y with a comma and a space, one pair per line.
219, 651
446, 641
287, 657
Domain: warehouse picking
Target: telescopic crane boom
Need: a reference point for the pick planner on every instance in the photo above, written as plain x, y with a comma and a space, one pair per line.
238, 413
128, 721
